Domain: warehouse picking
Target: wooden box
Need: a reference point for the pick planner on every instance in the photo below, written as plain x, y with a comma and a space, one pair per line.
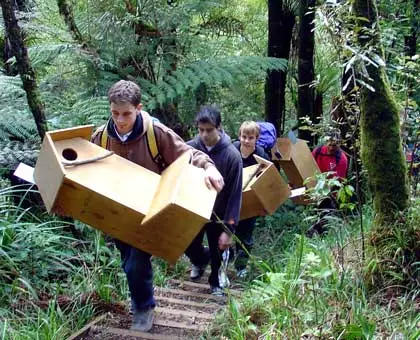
158, 214
263, 189
297, 162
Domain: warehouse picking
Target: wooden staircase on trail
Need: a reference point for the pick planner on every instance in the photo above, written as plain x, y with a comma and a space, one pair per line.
184, 310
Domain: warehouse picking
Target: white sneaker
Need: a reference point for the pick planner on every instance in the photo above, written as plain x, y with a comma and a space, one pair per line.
197, 271
242, 273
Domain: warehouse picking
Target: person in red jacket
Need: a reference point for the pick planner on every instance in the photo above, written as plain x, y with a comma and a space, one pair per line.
330, 158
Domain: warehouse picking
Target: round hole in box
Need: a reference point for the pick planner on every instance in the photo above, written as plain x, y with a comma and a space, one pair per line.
69, 154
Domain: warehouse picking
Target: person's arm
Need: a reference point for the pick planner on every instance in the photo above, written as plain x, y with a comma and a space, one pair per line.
233, 191
172, 146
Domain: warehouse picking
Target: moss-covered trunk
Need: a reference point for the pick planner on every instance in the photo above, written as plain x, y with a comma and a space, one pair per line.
381, 146
27, 73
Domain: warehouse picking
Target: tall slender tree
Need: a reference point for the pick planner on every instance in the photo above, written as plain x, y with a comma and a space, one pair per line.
281, 20
381, 144
27, 73
306, 72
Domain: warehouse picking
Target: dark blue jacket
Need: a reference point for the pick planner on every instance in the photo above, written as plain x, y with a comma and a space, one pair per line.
229, 163
250, 160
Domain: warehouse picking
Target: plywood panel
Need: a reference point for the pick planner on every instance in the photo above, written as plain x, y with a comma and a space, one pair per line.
251, 205
114, 177
168, 185
193, 193
48, 173
304, 161
100, 212
84, 132
270, 189
168, 233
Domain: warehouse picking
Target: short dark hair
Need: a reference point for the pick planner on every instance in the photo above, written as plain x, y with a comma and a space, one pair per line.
209, 114
125, 91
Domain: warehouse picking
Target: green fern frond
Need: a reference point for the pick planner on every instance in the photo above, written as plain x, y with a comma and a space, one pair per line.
45, 54
217, 72
223, 25
12, 87
88, 111
13, 152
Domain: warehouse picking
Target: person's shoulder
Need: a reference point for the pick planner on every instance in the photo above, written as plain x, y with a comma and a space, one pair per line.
234, 153
98, 131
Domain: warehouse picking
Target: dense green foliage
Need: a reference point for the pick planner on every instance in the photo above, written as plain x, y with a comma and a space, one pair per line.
55, 276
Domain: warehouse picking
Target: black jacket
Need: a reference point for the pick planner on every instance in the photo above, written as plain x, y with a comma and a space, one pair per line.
229, 163
250, 160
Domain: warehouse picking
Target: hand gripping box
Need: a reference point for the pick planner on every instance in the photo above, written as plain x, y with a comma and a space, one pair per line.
263, 189
160, 214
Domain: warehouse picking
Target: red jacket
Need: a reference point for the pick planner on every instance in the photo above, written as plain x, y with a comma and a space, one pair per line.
328, 162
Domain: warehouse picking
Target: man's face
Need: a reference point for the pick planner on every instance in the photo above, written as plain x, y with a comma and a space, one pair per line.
248, 140
124, 116
208, 133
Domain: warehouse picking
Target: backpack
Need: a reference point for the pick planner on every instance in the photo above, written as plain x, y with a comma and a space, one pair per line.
151, 144
268, 136
337, 154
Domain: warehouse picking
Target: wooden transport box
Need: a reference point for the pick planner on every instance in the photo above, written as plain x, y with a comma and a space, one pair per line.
263, 189
158, 214
297, 162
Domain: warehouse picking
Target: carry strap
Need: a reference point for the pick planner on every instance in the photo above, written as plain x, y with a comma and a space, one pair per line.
151, 144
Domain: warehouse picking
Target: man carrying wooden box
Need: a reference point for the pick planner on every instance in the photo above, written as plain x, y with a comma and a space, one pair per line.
133, 135
213, 141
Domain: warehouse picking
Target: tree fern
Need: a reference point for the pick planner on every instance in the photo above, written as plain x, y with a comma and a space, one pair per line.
14, 152
225, 72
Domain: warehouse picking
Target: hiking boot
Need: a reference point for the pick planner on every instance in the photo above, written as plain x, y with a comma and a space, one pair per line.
217, 291
197, 271
143, 320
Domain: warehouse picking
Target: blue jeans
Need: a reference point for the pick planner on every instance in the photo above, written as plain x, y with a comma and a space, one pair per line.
138, 269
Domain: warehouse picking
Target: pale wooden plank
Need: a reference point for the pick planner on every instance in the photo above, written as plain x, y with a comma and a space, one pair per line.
213, 305
85, 330
181, 325
180, 312
127, 332
190, 294
48, 173
84, 132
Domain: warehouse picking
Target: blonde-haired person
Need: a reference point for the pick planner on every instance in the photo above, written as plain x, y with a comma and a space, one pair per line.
247, 146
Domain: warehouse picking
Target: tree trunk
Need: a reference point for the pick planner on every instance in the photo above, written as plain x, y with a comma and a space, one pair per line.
24, 67
306, 72
280, 27
67, 13
381, 145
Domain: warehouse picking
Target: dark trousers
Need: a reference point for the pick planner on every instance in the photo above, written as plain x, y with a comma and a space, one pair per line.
245, 242
327, 207
198, 254
138, 269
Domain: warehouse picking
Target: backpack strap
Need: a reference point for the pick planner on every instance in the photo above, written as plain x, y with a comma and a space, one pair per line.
153, 147
104, 137
151, 144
